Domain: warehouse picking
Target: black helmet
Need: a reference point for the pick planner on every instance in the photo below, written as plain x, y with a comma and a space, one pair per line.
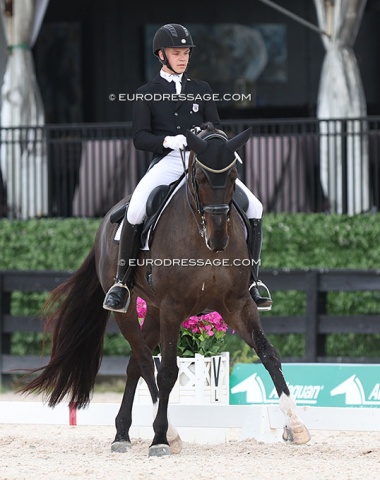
172, 35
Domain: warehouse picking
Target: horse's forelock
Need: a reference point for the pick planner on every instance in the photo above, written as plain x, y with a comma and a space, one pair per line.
209, 128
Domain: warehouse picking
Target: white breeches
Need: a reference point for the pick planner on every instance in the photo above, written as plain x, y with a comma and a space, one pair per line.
166, 171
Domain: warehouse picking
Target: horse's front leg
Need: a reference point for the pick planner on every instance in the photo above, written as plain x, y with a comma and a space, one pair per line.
166, 377
294, 429
249, 327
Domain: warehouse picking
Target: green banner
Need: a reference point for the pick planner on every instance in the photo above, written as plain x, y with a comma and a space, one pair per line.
322, 385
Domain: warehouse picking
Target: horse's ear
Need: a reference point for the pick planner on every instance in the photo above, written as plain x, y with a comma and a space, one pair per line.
196, 144
240, 140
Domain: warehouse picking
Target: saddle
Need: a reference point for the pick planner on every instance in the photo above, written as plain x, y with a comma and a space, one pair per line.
159, 197
155, 204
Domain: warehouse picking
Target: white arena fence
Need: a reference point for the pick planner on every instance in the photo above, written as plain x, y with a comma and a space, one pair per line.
207, 424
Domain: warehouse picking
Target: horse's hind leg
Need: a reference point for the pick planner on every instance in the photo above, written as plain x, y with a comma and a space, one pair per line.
123, 421
251, 331
140, 364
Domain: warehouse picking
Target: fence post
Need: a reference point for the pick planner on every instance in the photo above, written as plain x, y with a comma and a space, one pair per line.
311, 327
344, 140
5, 338
1, 329
322, 310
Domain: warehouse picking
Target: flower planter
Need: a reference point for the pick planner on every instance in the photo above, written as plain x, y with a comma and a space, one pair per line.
201, 380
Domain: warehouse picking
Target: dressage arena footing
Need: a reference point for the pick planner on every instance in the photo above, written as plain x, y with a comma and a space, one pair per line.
208, 424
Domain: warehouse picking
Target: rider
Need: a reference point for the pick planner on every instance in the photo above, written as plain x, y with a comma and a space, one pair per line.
159, 126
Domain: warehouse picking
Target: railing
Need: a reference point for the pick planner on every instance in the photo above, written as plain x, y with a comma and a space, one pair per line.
315, 324
35, 281
293, 165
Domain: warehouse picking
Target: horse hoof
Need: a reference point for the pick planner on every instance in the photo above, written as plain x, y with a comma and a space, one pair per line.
297, 435
175, 445
160, 450
120, 447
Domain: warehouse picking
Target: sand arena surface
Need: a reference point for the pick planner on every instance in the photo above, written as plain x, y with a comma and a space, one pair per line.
55, 452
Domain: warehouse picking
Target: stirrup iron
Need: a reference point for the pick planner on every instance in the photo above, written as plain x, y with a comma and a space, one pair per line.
125, 307
259, 284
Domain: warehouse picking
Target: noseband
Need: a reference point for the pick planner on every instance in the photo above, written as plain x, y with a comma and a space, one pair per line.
213, 209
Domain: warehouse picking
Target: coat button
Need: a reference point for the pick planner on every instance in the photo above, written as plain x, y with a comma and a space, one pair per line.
178, 127
176, 114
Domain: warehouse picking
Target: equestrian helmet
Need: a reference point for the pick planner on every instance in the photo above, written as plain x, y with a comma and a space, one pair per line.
172, 35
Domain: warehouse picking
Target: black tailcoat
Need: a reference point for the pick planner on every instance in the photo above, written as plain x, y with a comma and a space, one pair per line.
155, 117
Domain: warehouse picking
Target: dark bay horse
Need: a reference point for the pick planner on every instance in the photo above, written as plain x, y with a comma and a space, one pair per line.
198, 262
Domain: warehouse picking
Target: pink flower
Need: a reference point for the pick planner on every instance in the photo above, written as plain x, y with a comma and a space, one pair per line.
207, 324
141, 307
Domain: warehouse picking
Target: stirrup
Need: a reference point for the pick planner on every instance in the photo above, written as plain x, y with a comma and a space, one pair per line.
125, 306
259, 284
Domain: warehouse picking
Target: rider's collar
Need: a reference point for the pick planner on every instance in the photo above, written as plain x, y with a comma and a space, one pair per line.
170, 77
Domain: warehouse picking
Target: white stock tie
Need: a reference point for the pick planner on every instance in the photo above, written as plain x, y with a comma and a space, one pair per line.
177, 81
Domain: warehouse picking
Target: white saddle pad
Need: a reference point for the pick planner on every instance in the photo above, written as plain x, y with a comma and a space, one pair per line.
146, 246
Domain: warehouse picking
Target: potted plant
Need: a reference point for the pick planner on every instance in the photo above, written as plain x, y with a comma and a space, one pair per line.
203, 364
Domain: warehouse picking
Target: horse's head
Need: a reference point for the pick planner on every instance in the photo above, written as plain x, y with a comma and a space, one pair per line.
212, 175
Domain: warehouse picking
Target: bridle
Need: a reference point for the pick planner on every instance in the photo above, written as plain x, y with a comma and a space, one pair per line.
213, 209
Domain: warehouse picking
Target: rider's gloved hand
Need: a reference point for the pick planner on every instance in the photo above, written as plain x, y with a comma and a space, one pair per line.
175, 143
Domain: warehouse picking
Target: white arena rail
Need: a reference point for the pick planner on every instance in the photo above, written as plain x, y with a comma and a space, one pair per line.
198, 423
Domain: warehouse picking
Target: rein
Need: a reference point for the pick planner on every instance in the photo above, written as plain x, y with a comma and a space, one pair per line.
202, 226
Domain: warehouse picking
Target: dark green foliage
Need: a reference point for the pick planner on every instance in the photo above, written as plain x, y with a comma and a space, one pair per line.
321, 241
290, 241
46, 244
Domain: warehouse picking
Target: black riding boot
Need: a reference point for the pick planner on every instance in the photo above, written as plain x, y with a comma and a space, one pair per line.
118, 296
263, 303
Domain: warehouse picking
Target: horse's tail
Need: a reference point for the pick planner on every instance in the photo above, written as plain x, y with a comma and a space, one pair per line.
77, 322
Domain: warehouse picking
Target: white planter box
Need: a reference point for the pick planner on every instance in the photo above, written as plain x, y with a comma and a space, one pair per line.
201, 380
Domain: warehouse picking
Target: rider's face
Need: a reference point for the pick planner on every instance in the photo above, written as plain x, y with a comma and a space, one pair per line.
178, 59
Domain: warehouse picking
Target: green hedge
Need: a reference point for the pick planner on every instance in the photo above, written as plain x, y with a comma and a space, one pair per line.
321, 241
290, 241
46, 244
324, 241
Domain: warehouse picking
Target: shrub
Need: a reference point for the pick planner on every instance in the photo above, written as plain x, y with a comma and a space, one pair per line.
290, 241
